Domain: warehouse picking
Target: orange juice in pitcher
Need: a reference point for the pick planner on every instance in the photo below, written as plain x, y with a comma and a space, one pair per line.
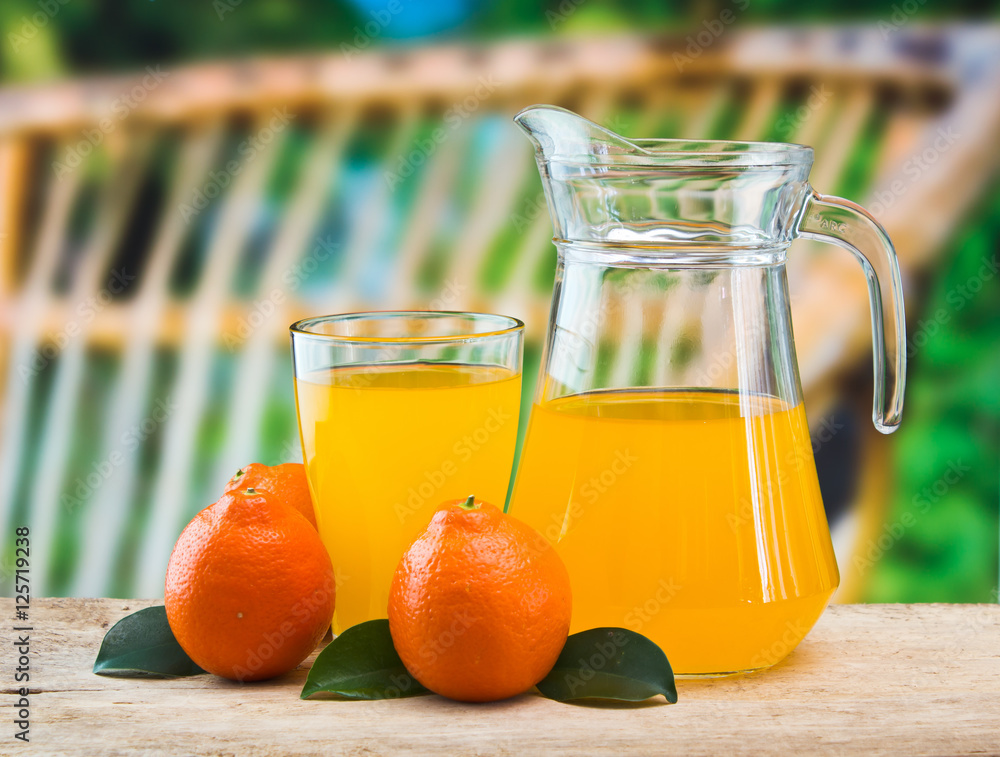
668, 456
650, 497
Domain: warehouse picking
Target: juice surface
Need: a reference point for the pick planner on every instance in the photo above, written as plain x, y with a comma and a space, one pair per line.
684, 517
384, 445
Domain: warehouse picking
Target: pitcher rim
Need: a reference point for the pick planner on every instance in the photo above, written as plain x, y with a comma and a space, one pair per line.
659, 152
695, 153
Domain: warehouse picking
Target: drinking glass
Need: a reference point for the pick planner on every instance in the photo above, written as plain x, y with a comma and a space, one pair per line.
398, 412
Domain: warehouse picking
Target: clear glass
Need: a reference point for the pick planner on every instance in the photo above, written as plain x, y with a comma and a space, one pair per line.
398, 412
668, 456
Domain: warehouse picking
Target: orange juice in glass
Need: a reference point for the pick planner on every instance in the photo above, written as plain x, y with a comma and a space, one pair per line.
399, 411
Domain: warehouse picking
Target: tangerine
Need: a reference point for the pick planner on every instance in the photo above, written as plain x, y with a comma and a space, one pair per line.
479, 607
250, 588
287, 481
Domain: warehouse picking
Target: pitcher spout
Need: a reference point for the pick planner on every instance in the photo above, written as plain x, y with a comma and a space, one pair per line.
560, 134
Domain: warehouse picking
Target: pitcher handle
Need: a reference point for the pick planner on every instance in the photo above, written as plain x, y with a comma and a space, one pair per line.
843, 223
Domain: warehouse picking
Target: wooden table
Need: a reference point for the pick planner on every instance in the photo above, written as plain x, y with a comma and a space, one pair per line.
869, 679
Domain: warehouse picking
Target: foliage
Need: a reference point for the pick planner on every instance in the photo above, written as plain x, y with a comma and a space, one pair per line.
949, 443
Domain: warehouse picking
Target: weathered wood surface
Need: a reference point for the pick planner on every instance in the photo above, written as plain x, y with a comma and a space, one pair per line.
875, 679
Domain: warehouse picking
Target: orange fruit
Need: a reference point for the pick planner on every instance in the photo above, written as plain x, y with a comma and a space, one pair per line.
250, 589
479, 607
287, 481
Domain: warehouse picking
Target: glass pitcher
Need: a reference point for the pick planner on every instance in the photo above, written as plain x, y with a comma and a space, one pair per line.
668, 456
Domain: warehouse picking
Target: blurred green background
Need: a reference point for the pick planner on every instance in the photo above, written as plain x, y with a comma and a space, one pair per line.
947, 546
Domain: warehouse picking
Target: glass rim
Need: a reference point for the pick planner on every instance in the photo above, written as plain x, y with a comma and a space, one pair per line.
301, 328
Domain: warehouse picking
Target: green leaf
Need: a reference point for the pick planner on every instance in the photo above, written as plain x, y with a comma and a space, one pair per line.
609, 663
361, 663
141, 645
